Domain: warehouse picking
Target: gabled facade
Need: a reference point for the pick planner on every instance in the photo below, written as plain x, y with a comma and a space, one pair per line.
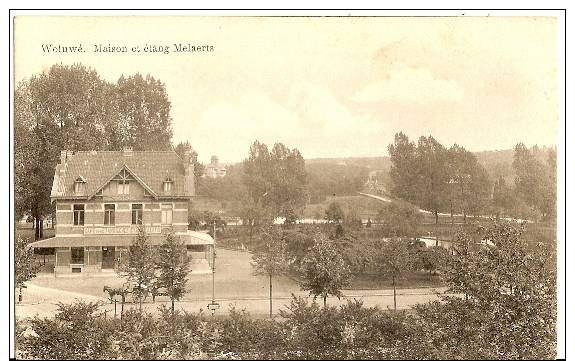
103, 197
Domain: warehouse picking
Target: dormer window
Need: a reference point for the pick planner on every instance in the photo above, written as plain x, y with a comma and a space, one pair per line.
168, 185
79, 185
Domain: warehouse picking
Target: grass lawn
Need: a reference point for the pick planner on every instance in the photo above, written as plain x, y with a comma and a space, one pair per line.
365, 207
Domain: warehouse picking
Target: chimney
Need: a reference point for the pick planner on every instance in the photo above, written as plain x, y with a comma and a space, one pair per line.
127, 151
189, 186
64, 156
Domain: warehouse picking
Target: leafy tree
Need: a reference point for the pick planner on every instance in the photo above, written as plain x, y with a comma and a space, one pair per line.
288, 194
25, 150
431, 259
503, 195
334, 213
139, 265
533, 182
25, 265
277, 179
432, 175
509, 311
404, 171
399, 219
229, 189
173, 266
394, 260
469, 186
144, 113
77, 331
550, 199
254, 215
324, 271
271, 259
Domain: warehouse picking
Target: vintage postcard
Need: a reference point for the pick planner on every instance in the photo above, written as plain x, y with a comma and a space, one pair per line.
287, 187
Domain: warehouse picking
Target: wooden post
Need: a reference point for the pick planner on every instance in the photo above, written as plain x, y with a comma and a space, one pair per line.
271, 308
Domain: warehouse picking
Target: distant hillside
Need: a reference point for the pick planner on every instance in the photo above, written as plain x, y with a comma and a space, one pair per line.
500, 162
372, 163
496, 162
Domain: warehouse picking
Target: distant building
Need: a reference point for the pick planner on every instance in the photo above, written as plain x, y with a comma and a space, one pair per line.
373, 184
103, 197
214, 169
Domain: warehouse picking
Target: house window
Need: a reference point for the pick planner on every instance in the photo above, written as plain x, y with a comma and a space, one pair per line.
137, 214
123, 179
77, 255
167, 213
109, 214
168, 185
79, 187
124, 187
78, 214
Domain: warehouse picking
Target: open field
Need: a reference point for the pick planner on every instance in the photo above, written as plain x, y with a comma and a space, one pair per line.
363, 206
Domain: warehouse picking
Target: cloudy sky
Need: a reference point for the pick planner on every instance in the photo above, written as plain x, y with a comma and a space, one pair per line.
332, 87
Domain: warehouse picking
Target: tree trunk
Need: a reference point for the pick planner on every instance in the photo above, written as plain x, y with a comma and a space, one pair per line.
436, 217
394, 295
464, 216
39, 228
173, 309
271, 307
324, 301
36, 228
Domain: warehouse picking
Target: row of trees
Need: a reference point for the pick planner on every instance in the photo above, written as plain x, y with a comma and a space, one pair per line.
437, 178
397, 219
73, 108
148, 268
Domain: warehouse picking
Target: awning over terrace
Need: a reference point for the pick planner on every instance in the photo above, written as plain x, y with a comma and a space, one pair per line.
189, 238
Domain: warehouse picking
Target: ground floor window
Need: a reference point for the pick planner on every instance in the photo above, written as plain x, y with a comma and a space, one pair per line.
137, 212
77, 255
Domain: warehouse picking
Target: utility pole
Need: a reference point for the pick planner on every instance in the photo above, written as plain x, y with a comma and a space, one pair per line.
214, 266
213, 306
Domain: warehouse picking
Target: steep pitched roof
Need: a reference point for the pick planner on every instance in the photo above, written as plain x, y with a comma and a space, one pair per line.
97, 168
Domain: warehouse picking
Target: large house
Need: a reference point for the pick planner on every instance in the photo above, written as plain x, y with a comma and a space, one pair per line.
215, 169
103, 197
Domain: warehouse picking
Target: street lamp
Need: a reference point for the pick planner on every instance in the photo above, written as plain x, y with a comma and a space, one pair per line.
213, 306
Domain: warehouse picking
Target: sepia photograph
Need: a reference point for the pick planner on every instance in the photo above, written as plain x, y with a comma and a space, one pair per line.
314, 186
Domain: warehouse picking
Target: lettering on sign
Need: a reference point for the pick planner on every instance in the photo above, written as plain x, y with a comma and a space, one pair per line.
121, 230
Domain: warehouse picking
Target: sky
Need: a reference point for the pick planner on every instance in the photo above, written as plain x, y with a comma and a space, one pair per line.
329, 86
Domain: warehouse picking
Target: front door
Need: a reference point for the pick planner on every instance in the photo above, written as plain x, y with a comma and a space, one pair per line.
108, 257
